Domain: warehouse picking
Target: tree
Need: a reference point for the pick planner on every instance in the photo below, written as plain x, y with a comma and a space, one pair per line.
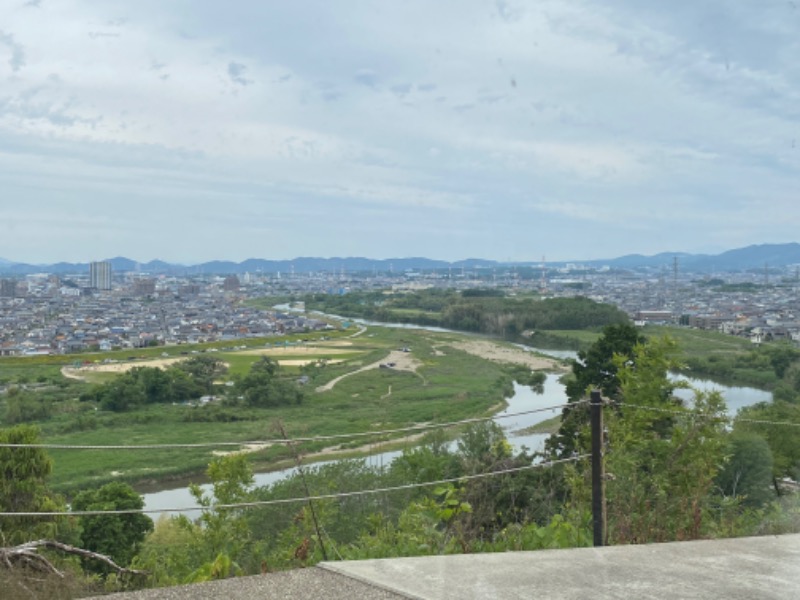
171, 552
595, 368
203, 370
265, 366
182, 551
748, 472
117, 536
662, 458
782, 440
781, 357
263, 387
145, 385
225, 531
24, 489
24, 407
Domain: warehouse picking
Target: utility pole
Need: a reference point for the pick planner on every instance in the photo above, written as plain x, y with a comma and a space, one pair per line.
598, 470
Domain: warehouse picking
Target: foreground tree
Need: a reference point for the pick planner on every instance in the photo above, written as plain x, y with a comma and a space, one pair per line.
663, 458
596, 368
783, 441
182, 551
747, 475
117, 536
24, 489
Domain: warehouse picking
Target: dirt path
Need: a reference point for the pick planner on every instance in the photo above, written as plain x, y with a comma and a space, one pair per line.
359, 332
301, 362
330, 450
403, 361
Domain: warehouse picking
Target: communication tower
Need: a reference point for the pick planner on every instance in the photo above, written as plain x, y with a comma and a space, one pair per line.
675, 272
543, 284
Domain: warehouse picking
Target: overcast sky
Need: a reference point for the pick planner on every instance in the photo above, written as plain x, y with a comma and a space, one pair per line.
188, 130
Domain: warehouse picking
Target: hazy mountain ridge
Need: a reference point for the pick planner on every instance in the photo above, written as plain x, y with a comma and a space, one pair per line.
739, 259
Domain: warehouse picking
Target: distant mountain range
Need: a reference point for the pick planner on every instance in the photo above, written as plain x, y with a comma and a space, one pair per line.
741, 259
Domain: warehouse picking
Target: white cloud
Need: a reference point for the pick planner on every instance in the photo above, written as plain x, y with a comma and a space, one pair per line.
16, 53
457, 112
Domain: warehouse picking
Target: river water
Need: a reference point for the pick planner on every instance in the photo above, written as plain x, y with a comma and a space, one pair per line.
523, 399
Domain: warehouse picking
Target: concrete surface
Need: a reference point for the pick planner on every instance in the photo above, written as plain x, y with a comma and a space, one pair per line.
300, 584
745, 568
734, 569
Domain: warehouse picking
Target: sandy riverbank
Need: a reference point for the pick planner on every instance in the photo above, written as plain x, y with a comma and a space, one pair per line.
117, 367
161, 363
505, 354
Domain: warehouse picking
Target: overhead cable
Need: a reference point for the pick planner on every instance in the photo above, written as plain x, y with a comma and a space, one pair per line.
332, 496
271, 442
701, 415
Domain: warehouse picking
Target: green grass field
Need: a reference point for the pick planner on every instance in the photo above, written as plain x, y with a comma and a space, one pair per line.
584, 337
700, 343
692, 342
446, 386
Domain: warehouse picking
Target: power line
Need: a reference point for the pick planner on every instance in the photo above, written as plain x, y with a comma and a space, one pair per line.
319, 438
333, 496
708, 416
762, 422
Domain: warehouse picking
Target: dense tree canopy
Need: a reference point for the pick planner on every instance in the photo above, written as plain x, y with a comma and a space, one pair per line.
152, 385
116, 536
595, 368
663, 465
747, 474
264, 387
481, 311
24, 488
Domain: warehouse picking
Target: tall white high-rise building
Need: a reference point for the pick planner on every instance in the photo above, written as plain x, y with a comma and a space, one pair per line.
100, 275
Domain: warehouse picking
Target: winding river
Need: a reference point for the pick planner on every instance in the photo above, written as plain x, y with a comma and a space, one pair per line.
523, 399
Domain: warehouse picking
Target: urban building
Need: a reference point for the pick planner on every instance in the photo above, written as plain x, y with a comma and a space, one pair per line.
100, 275
144, 287
231, 283
8, 288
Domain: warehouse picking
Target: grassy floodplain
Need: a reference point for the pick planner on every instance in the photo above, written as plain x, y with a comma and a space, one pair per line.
720, 357
695, 343
441, 382
446, 383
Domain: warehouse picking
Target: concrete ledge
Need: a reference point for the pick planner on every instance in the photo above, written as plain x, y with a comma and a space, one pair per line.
743, 568
299, 584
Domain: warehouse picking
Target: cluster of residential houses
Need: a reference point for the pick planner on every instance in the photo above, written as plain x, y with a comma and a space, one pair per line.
46, 321
760, 314
47, 314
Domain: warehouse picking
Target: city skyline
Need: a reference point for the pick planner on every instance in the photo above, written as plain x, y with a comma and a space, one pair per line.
500, 130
